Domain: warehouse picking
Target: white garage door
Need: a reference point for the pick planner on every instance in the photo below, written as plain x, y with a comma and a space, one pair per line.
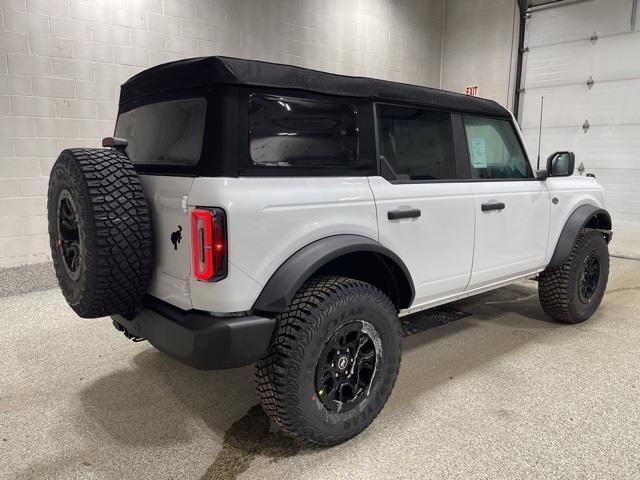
584, 58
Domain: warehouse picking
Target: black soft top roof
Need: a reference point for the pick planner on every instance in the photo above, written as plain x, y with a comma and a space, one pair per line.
193, 73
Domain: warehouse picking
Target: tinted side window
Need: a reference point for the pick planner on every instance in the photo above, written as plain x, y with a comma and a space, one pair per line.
416, 144
297, 132
494, 149
167, 133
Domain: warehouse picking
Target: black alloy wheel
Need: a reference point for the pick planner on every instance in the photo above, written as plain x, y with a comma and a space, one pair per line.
589, 278
347, 365
69, 240
333, 361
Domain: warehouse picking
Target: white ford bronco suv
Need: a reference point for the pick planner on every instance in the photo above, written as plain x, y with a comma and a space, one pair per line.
252, 212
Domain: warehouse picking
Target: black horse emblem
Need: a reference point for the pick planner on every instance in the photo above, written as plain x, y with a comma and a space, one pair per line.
176, 237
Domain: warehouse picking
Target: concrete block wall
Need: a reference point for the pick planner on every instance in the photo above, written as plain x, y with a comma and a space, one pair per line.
480, 47
62, 61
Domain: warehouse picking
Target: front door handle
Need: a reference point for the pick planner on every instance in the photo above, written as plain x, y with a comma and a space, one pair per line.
398, 214
487, 207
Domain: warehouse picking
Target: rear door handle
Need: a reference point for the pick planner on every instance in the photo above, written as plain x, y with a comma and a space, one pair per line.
486, 207
398, 214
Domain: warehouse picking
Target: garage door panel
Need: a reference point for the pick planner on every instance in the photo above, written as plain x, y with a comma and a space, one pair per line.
623, 198
563, 106
579, 21
560, 61
619, 179
614, 103
607, 103
622, 202
618, 173
626, 231
616, 58
610, 58
554, 65
602, 147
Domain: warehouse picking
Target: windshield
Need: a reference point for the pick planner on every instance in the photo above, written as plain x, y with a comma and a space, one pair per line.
166, 133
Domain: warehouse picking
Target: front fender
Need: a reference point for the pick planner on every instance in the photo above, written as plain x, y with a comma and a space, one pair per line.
578, 220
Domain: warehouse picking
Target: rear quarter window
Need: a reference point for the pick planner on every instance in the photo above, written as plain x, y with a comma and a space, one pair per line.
164, 133
286, 131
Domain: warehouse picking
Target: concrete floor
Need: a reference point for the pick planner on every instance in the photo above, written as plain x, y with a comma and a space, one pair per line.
500, 394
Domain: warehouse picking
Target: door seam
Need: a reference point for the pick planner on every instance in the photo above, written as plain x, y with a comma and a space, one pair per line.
475, 225
375, 205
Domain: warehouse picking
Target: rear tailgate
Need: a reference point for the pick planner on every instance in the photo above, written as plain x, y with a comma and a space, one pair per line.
167, 197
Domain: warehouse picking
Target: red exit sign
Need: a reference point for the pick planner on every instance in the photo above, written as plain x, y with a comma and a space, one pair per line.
472, 90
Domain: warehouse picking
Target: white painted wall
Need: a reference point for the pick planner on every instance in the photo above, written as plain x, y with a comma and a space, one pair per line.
480, 47
62, 61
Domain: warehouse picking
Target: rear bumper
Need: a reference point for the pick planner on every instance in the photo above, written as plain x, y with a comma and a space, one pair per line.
201, 340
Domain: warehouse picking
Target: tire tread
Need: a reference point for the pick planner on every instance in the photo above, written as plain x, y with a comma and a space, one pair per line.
119, 235
555, 285
276, 372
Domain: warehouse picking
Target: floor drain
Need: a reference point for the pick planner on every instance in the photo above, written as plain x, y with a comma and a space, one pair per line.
434, 317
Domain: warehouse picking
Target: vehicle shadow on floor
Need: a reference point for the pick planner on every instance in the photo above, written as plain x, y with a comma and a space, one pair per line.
159, 402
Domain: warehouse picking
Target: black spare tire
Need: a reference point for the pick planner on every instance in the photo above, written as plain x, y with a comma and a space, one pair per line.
99, 231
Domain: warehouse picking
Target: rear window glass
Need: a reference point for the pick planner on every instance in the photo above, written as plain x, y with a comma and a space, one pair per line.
166, 133
297, 132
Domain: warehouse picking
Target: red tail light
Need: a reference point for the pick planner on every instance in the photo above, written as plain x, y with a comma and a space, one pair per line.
209, 244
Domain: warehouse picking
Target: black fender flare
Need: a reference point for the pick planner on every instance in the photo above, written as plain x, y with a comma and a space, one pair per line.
279, 291
578, 220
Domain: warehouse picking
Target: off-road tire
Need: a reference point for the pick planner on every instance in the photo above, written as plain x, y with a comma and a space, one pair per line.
558, 287
114, 231
285, 376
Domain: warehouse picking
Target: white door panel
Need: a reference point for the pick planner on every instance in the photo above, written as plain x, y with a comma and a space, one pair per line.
560, 60
512, 241
437, 247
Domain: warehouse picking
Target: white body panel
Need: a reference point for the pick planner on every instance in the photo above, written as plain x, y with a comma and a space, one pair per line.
513, 241
571, 192
437, 247
453, 250
560, 60
268, 220
167, 198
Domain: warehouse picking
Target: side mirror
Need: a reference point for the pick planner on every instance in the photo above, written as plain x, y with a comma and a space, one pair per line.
561, 164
